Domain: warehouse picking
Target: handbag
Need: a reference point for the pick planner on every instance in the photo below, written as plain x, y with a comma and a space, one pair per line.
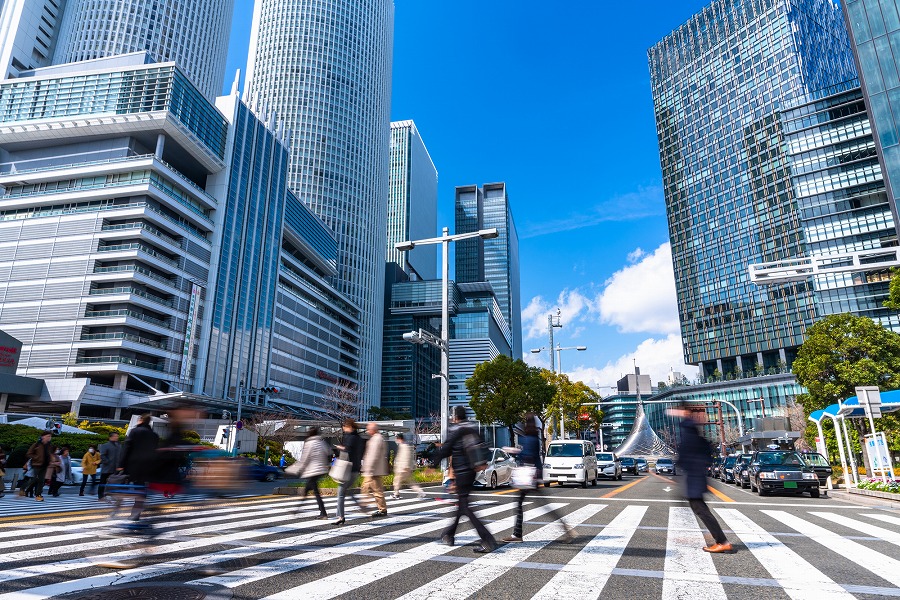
340, 470
524, 478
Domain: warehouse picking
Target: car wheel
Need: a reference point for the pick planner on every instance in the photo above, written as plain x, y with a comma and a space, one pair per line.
752, 487
494, 481
760, 490
594, 482
584, 483
269, 477
814, 493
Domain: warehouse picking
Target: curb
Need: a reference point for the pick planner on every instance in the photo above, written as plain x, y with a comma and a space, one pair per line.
875, 494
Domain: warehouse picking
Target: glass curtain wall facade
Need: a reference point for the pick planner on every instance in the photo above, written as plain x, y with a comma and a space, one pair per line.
496, 260
412, 200
192, 33
717, 83
247, 257
875, 32
325, 68
841, 198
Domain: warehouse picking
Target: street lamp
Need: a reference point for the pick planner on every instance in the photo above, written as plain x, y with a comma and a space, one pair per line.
420, 336
559, 349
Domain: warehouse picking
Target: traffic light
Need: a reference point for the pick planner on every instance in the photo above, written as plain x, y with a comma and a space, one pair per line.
269, 390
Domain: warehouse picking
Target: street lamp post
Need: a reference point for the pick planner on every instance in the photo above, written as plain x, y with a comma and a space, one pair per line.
443, 343
559, 349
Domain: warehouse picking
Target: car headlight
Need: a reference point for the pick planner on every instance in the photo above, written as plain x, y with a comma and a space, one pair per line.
579, 466
767, 475
810, 476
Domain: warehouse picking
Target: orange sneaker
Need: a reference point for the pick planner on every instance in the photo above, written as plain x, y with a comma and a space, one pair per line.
719, 548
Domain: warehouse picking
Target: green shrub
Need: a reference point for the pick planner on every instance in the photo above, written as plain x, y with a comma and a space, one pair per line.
877, 485
16, 436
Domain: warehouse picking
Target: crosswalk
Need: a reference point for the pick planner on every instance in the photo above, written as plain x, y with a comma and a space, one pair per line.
275, 548
12, 505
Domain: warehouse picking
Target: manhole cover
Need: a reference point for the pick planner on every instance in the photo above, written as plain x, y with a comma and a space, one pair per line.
152, 591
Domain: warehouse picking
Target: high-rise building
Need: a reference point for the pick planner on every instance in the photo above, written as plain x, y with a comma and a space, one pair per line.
495, 261
191, 33
28, 34
324, 67
875, 34
412, 201
718, 81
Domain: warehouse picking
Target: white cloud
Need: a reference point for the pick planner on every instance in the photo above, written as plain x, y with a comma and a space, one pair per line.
636, 255
641, 296
655, 357
573, 306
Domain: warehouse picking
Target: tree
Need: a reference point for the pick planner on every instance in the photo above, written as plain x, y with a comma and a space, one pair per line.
273, 429
893, 301
503, 390
341, 402
842, 352
569, 399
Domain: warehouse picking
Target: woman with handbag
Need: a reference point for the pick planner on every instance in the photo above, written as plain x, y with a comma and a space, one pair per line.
527, 475
315, 460
351, 451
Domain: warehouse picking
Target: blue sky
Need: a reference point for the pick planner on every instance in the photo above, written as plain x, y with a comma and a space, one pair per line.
554, 99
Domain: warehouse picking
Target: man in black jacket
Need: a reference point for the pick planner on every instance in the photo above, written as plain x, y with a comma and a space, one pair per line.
110, 453
352, 450
140, 459
455, 447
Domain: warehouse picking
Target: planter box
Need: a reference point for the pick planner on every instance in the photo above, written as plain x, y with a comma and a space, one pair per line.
874, 494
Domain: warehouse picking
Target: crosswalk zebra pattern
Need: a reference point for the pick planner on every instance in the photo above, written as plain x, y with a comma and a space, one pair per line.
12, 505
275, 548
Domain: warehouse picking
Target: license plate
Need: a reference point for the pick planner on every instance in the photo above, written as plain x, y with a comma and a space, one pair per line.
790, 484
561, 477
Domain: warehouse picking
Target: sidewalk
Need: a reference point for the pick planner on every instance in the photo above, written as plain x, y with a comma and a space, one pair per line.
842, 495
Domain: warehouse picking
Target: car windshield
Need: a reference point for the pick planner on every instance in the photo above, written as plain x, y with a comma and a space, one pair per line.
604, 456
664, 461
780, 458
815, 460
627, 461
641, 461
564, 450
729, 462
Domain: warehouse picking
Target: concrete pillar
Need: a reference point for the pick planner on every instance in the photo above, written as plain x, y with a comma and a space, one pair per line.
121, 381
4, 402
160, 145
782, 356
76, 407
719, 367
740, 364
760, 365
117, 415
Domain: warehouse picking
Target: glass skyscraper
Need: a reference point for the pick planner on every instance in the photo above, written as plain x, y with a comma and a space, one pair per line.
495, 261
324, 67
28, 33
412, 200
875, 32
718, 82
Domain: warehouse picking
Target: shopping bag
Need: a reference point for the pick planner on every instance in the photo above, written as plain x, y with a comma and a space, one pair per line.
524, 478
340, 470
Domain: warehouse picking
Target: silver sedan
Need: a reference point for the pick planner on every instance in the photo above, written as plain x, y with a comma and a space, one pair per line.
498, 471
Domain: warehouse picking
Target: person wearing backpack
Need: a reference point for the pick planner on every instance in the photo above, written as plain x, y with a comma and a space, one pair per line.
463, 449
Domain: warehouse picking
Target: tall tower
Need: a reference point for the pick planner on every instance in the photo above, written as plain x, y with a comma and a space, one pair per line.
496, 260
324, 67
28, 33
192, 33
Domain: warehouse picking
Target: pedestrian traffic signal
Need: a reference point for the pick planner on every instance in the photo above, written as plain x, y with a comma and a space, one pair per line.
269, 390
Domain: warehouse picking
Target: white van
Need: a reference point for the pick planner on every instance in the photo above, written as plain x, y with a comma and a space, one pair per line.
570, 461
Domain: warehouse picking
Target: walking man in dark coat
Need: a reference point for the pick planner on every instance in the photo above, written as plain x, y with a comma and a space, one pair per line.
140, 459
694, 456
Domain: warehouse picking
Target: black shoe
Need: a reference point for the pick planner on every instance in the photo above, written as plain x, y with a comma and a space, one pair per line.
482, 549
447, 540
379, 513
339, 521
322, 517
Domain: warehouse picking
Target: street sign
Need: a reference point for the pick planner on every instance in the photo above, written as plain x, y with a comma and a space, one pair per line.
239, 425
870, 399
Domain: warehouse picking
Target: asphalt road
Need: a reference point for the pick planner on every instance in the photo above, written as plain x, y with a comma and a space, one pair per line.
635, 539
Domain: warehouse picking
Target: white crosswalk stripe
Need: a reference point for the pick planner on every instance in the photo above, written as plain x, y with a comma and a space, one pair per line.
12, 505
275, 548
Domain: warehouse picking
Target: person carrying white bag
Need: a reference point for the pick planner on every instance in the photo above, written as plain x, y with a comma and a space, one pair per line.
315, 460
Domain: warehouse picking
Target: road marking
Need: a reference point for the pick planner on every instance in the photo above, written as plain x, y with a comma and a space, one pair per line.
719, 494
587, 573
885, 518
862, 527
667, 489
468, 580
689, 571
352, 579
797, 577
621, 489
509, 491
867, 558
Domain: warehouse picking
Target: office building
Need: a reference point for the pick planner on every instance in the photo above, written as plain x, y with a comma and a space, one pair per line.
718, 81
495, 261
335, 96
28, 33
191, 33
874, 31
412, 201
841, 198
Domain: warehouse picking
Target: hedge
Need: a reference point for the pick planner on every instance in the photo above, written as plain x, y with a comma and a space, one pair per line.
16, 439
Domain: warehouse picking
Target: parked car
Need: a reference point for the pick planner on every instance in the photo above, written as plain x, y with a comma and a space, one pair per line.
782, 471
820, 464
629, 465
498, 470
726, 473
665, 465
570, 461
741, 470
717, 467
260, 472
642, 465
609, 465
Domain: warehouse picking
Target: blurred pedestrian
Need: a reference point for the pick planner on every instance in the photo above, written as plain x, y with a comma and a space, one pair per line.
283, 462
403, 467
351, 449
374, 468
42, 458
89, 463
694, 456
63, 473
139, 461
315, 460
168, 477
110, 457
456, 447
529, 457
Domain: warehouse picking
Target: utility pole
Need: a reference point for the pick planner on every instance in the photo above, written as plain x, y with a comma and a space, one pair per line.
551, 325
